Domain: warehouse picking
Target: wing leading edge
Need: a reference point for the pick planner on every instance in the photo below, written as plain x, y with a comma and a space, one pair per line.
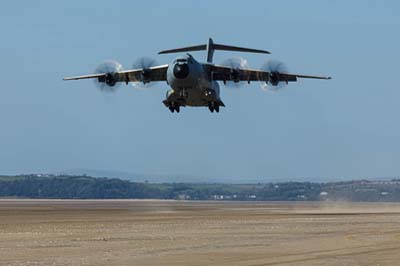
224, 73
157, 73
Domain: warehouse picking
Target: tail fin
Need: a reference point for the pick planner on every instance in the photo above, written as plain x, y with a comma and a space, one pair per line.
211, 47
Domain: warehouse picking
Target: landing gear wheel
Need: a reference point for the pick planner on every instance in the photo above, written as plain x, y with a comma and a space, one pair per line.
216, 108
211, 108
177, 109
172, 109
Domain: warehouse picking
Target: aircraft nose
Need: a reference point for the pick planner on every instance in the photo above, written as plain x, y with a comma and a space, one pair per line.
181, 71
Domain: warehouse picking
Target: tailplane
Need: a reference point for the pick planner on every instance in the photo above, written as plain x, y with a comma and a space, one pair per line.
211, 47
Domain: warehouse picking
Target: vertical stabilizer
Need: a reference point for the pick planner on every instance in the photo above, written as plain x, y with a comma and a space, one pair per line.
210, 50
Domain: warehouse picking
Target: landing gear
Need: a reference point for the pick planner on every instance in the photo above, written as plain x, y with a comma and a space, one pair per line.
213, 106
174, 107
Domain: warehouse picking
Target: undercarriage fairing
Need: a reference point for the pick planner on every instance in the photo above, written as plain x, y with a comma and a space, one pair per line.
194, 96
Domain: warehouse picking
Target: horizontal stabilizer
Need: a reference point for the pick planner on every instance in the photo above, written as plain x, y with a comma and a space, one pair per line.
211, 47
238, 49
216, 47
185, 49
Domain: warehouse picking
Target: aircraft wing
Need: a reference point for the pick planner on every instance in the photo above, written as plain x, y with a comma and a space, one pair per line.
224, 73
156, 73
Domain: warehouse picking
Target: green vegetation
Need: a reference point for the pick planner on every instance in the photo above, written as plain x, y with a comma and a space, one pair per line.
84, 187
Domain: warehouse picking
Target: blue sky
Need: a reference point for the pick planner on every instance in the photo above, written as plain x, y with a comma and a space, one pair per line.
344, 128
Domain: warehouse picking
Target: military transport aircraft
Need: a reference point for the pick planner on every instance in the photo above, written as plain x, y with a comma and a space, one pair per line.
192, 83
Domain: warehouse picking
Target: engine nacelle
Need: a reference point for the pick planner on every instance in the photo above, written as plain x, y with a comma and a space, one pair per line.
110, 79
145, 75
274, 78
234, 75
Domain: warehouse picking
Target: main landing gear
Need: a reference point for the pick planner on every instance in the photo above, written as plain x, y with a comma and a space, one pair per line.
212, 106
173, 108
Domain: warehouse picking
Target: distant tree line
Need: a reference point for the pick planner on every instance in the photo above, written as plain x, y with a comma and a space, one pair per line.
85, 187
73, 187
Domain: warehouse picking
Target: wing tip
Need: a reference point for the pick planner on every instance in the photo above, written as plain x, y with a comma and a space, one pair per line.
69, 78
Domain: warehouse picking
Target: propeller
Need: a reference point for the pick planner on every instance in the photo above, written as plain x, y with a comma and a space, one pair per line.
108, 83
144, 63
275, 68
234, 63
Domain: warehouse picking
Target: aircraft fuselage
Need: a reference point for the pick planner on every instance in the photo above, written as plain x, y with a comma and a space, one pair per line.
191, 85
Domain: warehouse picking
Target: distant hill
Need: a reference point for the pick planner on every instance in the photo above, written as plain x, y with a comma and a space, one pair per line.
86, 187
152, 178
183, 178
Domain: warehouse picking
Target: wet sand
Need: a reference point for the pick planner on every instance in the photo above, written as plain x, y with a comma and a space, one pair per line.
134, 232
